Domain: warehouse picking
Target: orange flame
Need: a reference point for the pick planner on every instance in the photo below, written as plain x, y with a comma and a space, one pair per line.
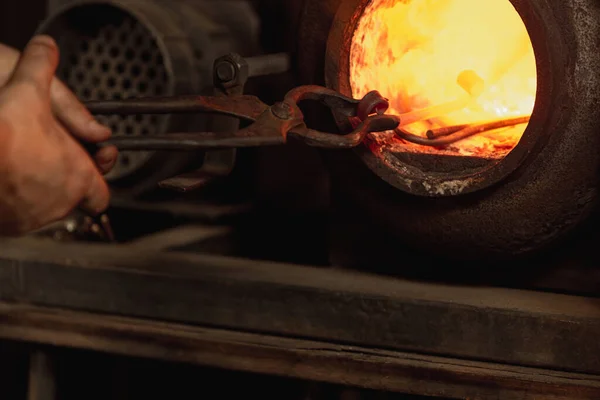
412, 51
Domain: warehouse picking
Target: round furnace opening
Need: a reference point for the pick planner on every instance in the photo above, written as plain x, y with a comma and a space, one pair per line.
455, 69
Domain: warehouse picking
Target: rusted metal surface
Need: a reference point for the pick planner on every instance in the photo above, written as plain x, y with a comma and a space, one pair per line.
272, 125
240, 106
539, 194
230, 75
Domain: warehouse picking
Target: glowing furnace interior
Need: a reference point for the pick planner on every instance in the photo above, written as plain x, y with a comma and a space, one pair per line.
415, 51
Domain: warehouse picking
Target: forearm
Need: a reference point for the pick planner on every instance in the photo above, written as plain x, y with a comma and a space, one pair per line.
8, 60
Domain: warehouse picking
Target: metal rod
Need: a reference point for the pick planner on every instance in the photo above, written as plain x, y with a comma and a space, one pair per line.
448, 130
270, 64
483, 127
465, 133
148, 105
244, 107
190, 141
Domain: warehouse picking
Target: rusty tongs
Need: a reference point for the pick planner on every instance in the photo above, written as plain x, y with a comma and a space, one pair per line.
272, 125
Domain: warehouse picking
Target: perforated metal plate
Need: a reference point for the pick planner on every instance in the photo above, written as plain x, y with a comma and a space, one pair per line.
118, 59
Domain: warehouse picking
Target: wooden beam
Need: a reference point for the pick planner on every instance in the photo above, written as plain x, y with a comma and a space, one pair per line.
302, 359
42, 378
490, 324
179, 237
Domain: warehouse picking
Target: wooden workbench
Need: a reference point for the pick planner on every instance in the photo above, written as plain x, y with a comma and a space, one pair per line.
311, 323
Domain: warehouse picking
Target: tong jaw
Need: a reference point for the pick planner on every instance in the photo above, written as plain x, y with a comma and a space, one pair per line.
365, 116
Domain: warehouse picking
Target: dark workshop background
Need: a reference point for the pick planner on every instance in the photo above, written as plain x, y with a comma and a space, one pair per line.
19, 20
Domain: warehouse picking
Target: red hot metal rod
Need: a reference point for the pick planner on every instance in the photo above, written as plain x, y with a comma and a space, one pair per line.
476, 128
445, 131
462, 134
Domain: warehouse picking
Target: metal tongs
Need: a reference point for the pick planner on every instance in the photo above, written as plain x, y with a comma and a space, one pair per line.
272, 125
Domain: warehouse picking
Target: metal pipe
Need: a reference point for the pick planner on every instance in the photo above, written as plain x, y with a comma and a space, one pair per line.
270, 64
191, 141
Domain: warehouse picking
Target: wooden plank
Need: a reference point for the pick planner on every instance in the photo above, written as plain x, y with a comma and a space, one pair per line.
42, 378
179, 237
302, 359
490, 324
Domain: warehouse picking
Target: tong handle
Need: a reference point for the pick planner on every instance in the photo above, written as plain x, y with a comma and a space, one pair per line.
271, 124
243, 107
267, 130
248, 108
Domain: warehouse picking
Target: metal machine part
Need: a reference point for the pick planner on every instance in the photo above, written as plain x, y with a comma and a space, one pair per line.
113, 49
456, 174
230, 74
540, 194
120, 60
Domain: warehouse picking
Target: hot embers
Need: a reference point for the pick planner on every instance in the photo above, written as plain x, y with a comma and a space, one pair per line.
415, 53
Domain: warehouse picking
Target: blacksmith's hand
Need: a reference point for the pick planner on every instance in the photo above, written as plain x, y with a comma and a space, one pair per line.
68, 110
44, 171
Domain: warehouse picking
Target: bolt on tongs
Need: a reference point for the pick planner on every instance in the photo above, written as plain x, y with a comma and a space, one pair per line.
272, 125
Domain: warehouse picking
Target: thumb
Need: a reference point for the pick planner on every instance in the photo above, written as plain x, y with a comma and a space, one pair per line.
38, 63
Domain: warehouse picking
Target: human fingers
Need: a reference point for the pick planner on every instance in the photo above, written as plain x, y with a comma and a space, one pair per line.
75, 116
97, 195
106, 158
37, 64
85, 185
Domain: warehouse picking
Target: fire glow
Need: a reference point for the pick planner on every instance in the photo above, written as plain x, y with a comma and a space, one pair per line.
412, 51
